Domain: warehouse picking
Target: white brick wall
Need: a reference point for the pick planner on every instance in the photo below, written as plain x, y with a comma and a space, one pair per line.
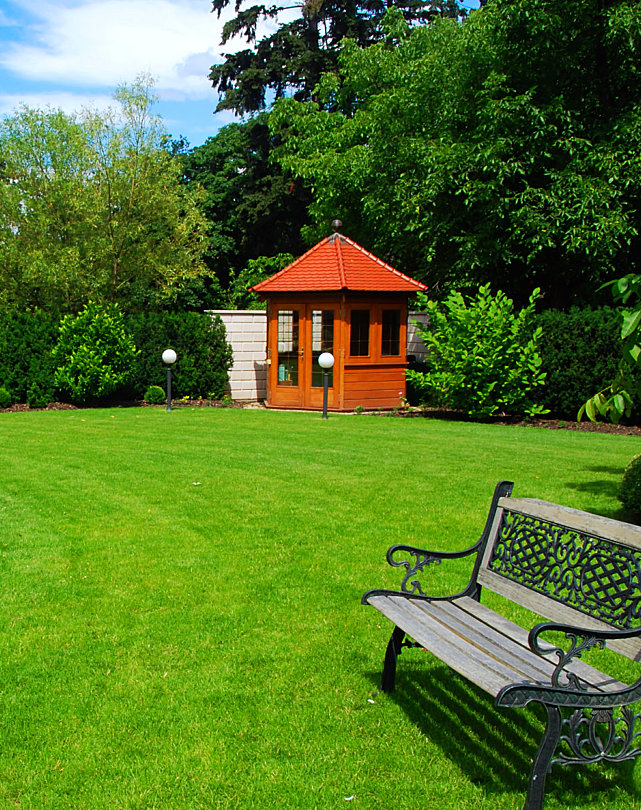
415, 345
247, 335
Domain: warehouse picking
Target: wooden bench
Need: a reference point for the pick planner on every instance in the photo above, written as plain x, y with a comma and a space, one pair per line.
580, 571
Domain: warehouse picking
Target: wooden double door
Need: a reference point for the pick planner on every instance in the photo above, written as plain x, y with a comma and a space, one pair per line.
298, 333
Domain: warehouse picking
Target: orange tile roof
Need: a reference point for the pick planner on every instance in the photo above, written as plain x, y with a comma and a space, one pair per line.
338, 263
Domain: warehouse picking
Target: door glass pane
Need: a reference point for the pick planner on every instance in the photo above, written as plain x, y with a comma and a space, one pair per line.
391, 332
322, 341
288, 347
359, 333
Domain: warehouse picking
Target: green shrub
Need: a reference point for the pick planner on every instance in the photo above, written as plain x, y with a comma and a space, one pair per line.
630, 491
580, 350
5, 398
482, 358
155, 395
95, 356
414, 393
36, 397
200, 341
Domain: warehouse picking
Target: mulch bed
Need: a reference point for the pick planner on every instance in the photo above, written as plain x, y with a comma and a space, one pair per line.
175, 403
193, 403
586, 427
549, 424
20, 407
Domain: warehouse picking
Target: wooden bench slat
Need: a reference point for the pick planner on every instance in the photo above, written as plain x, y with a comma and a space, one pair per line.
623, 533
473, 664
486, 639
599, 680
494, 643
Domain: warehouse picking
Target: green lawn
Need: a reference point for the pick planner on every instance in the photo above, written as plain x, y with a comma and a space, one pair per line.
180, 624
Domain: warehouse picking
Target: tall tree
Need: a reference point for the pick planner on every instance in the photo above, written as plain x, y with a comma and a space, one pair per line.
254, 207
92, 208
502, 149
293, 58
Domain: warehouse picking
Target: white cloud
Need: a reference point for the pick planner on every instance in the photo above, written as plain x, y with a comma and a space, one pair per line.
57, 99
102, 43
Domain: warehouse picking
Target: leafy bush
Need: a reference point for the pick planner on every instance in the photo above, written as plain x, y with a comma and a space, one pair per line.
580, 350
204, 356
5, 398
95, 356
630, 491
414, 393
481, 357
155, 395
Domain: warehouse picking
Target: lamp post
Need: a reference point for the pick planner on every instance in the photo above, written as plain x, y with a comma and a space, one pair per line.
325, 361
169, 357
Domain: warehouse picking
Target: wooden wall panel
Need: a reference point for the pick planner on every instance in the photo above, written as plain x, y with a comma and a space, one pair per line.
373, 387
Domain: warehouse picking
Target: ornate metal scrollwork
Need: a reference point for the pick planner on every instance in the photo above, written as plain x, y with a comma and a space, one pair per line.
591, 574
593, 735
576, 649
561, 678
570, 680
414, 567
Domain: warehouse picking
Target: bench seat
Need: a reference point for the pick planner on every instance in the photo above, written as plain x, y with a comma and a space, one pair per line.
480, 644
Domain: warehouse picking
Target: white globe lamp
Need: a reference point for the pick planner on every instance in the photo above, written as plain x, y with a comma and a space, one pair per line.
325, 361
169, 357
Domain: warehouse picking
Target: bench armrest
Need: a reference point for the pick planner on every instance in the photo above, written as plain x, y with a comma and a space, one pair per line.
415, 560
580, 640
400, 556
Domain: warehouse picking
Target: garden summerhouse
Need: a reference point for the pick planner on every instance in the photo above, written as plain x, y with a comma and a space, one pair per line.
337, 298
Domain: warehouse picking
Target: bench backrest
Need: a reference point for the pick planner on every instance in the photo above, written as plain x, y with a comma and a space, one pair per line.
560, 562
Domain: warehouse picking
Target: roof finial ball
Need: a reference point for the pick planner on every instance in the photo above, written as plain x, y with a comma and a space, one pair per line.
337, 225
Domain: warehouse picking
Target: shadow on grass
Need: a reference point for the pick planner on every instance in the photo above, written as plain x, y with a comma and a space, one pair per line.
618, 471
608, 488
493, 747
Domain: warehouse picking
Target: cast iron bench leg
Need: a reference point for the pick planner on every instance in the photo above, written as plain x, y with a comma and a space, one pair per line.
391, 654
541, 764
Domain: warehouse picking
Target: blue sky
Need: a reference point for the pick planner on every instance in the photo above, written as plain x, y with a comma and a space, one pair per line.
74, 53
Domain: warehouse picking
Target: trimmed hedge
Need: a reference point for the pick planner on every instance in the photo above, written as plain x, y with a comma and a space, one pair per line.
26, 365
27, 368
630, 491
200, 341
580, 350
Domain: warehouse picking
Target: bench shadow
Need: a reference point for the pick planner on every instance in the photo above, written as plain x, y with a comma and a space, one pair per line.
493, 747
